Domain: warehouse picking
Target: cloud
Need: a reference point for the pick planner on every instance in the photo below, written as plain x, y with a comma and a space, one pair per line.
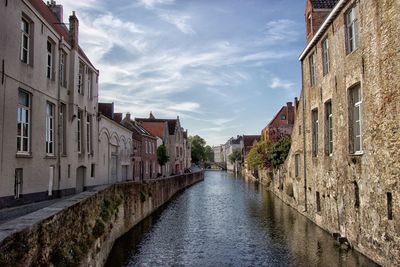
179, 21
150, 4
282, 30
281, 84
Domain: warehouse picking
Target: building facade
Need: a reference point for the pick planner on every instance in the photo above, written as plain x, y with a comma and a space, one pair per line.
49, 145
281, 125
343, 168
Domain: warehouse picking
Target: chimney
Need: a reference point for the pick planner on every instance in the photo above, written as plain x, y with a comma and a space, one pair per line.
74, 31
290, 113
57, 10
128, 116
151, 115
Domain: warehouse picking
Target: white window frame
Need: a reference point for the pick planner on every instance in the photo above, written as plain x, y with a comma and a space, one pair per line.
356, 106
81, 75
63, 69
325, 56
25, 38
89, 133
24, 120
313, 69
351, 29
79, 131
329, 128
49, 59
315, 125
50, 122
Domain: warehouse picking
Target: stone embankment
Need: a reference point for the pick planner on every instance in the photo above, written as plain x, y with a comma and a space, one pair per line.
81, 230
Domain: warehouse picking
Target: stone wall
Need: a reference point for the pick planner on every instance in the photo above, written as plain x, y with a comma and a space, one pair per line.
81, 230
352, 195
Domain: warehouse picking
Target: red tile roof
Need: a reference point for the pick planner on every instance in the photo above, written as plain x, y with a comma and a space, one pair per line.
155, 128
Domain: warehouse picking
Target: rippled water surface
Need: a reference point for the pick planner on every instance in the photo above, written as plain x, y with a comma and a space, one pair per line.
226, 221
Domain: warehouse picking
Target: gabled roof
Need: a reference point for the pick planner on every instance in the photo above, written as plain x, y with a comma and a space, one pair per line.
171, 123
323, 4
155, 128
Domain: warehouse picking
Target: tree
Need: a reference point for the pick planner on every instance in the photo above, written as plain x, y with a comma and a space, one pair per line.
209, 154
162, 155
235, 156
198, 149
279, 151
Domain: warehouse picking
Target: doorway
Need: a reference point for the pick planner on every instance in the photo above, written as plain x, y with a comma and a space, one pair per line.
80, 179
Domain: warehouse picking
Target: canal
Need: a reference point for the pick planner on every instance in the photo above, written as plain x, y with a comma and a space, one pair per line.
228, 221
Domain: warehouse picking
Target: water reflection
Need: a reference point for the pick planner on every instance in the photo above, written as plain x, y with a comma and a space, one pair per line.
228, 221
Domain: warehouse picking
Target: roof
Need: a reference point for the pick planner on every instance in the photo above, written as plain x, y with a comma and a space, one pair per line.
107, 109
323, 4
171, 123
248, 140
137, 127
155, 128
57, 25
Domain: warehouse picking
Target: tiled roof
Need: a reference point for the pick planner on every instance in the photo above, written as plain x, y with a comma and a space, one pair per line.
324, 3
171, 123
155, 128
57, 25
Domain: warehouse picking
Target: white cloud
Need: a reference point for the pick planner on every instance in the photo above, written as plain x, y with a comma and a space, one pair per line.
152, 3
282, 30
281, 84
179, 21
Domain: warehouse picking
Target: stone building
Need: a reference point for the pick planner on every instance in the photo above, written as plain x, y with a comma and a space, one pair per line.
48, 125
343, 168
218, 157
115, 162
229, 147
145, 165
178, 147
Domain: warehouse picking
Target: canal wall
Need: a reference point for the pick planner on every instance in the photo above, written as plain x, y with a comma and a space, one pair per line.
81, 230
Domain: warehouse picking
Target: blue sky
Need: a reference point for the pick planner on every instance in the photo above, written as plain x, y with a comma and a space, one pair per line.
225, 67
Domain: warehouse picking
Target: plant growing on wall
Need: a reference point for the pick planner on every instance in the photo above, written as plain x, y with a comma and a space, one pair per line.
279, 152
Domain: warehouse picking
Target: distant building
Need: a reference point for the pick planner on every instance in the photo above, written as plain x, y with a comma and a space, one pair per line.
248, 142
233, 144
218, 154
281, 125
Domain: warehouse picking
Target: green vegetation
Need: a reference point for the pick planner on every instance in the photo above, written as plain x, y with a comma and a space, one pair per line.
266, 155
235, 156
162, 155
199, 154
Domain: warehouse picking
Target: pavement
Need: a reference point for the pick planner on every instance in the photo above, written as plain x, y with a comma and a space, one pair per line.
9, 214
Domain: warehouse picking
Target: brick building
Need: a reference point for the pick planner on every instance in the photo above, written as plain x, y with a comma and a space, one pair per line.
281, 125
343, 168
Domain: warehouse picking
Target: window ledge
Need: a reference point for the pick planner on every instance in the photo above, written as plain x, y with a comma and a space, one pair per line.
23, 155
50, 157
357, 154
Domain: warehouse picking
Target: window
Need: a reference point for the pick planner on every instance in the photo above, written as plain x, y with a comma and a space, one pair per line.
92, 170
313, 70
314, 117
18, 176
79, 131
63, 128
328, 128
89, 84
25, 40
89, 133
318, 202
355, 121
23, 122
49, 128
147, 167
297, 165
63, 69
351, 29
147, 147
50, 56
81, 75
283, 117
325, 56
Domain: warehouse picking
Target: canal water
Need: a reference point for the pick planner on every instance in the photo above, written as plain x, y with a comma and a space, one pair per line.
228, 221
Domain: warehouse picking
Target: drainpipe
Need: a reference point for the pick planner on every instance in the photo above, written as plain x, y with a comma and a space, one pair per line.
304, 137
58, 160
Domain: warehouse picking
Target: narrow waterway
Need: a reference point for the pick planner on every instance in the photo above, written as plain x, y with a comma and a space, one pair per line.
227, 221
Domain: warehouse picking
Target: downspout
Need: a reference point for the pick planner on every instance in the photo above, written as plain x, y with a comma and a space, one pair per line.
58, 160
304, 137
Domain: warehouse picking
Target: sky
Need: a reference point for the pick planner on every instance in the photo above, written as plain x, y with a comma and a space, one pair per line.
225, 67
